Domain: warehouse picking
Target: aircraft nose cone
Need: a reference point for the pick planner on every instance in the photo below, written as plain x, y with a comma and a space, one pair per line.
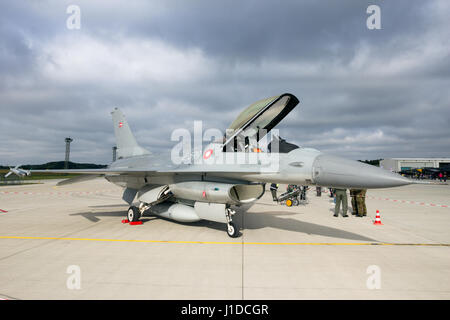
338, 172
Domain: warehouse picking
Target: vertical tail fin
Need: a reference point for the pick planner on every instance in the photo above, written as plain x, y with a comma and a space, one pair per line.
126, 142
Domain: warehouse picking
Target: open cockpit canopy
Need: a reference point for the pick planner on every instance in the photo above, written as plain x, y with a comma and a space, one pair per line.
257, 120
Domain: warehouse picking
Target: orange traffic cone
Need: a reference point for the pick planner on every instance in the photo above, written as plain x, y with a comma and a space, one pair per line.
377, 219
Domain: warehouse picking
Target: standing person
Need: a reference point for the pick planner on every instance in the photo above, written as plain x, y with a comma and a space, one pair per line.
445, 176
353, 194
331, 192
319, 191
273, 190
361, 202
341, 196
303, 192
440, 176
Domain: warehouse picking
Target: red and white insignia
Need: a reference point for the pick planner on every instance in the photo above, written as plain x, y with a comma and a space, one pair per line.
207, 154
120, 124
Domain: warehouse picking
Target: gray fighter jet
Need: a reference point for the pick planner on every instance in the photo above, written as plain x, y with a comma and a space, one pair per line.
230, 171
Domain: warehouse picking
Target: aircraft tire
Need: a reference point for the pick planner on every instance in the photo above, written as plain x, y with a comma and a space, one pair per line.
232, 230
133, 214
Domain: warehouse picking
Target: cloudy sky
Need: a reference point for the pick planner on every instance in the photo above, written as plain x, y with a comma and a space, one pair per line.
364, 94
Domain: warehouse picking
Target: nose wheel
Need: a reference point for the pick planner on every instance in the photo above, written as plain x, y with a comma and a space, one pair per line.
232, 230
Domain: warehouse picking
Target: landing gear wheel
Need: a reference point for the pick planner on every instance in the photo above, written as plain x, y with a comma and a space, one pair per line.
133, 214
232, 230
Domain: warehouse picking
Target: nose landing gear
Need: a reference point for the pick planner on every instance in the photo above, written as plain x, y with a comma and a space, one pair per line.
232, 230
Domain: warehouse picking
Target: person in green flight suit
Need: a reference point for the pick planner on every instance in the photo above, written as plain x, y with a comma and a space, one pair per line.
341, 196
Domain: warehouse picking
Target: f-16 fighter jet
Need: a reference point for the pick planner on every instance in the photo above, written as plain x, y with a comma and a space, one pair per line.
229, 171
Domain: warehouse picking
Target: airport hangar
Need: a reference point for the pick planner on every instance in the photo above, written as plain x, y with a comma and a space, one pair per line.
399, 164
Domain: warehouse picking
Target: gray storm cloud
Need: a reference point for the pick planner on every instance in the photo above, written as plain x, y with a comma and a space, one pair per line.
364, 94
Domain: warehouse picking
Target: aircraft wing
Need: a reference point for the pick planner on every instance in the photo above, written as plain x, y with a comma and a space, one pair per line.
88, 174
94, 171
150, 171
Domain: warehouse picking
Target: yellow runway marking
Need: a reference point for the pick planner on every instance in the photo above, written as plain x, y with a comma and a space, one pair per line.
235, 242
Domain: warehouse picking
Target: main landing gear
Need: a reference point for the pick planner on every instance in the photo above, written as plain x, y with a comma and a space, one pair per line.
134, 213
232, 230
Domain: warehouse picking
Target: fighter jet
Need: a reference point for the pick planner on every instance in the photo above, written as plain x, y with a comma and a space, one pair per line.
18, 171
232, 170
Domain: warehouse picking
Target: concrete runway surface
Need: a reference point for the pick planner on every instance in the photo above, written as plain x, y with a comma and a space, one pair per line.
300, 252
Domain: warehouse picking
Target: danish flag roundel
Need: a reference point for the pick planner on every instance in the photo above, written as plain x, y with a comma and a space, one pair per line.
207, 154
120, 124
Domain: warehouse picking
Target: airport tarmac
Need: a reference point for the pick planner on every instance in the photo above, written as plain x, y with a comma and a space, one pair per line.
299, 252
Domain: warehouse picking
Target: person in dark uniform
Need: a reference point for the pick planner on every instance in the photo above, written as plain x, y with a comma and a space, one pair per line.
341, 196
319, 191
303, 192
331, 192
273, 190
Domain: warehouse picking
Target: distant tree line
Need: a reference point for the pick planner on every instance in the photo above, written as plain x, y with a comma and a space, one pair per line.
59, 165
